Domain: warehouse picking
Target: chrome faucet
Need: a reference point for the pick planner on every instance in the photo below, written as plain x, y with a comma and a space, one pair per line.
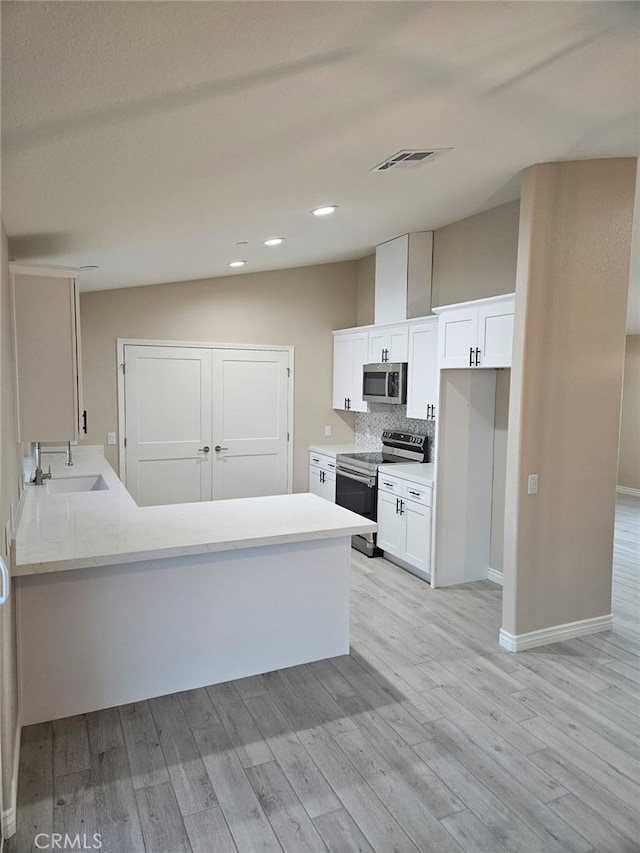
39, 476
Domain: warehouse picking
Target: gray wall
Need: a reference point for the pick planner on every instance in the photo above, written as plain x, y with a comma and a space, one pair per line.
629, 455
476, 257
9, 468
568, 354
294, 307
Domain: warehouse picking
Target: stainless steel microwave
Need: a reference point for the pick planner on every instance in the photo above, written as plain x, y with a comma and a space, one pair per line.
385, 383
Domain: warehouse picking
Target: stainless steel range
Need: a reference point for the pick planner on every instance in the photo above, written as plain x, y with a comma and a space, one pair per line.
357, 478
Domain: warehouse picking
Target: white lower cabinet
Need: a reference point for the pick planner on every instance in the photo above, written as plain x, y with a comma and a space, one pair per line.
322, 476
404, 522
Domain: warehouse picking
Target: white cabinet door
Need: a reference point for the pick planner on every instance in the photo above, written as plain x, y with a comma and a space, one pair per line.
315, 480
250, 420
47, 350
350, 353
457, 337
422, 370
359, 357
476, 334
168, 404
322, 477
391, 280
417, 543
495, 334
390, 344
342, 370
390, 524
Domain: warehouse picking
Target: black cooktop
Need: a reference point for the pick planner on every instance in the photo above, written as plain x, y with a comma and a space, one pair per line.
371, 458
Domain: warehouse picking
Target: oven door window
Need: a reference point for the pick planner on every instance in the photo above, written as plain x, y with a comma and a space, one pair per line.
374, 383
356, 496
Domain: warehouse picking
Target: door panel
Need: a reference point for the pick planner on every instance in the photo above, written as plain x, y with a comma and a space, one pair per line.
418, 535
495, 335
423, 369
251, 393
167, 421
390, 524
457, 333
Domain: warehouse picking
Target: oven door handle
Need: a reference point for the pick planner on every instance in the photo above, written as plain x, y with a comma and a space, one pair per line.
361, 478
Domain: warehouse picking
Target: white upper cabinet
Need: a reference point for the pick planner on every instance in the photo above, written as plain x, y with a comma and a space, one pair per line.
476, 334
403, 278
422, 382
47, 347
388, 344
350, 353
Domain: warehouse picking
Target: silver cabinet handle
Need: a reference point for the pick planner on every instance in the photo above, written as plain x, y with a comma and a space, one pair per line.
218, 448
204, 449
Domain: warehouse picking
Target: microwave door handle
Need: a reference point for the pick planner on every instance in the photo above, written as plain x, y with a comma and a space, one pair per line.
389, 385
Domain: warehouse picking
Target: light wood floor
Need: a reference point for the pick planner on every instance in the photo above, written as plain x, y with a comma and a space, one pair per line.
426, 737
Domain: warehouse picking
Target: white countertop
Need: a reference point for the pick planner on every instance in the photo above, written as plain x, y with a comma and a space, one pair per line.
333, 449
57, 532
420, 473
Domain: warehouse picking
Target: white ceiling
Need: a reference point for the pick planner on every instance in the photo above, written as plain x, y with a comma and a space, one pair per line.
150, 138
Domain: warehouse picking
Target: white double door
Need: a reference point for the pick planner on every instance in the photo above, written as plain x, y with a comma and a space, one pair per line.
204, 423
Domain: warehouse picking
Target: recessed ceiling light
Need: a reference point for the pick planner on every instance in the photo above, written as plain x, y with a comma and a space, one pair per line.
325, 211
273, 241
236, 263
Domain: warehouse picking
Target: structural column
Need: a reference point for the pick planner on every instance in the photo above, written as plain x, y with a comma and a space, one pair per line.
564, 417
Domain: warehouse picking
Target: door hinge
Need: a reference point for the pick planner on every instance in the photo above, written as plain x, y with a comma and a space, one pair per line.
288, 371
288, 437
125, 442
124, 368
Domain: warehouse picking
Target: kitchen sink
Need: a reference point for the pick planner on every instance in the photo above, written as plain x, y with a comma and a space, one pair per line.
88, 483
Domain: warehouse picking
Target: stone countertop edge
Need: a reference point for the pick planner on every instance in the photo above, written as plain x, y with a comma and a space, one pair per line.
421, 473
77, 520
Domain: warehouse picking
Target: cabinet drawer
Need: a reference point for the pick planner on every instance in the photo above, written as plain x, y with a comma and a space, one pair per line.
390, 484
320, 460
419, 494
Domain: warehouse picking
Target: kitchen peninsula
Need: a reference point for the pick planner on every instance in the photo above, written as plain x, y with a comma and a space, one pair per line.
117, 603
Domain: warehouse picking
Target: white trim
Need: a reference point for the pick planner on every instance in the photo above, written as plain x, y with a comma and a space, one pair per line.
494, 576
9, 815
121, 343
18, 268
474, 303
627, 490
555, 634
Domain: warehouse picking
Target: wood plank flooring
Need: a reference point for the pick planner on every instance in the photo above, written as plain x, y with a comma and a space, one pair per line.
427, 737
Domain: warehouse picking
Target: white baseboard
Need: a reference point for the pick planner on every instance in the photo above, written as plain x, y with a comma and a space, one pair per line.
627, 490
10, 815
555, 634
495, 576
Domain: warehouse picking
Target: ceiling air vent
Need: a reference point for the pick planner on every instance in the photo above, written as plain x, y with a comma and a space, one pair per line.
409, 159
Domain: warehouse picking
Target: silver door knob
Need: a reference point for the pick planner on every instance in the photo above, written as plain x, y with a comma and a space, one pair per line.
217, 448
204, 449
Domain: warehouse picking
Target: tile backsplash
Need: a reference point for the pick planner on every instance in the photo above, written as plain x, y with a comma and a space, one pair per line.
369, 426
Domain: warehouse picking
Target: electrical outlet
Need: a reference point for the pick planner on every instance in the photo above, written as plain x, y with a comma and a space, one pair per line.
532, 484
327, 430
111, 438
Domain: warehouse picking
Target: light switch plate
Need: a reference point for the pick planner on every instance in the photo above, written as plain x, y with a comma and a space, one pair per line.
111, 438
532, 484
327, 430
